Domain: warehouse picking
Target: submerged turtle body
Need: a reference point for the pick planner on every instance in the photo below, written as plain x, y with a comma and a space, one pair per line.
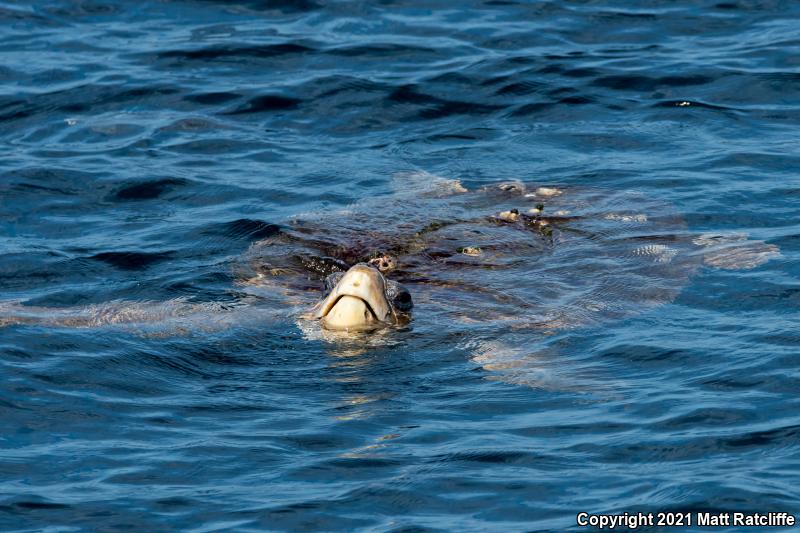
524, 256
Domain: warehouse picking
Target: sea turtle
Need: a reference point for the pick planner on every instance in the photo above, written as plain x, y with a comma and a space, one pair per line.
527, 256
504, 257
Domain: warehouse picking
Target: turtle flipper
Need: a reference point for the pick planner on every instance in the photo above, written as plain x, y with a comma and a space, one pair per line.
424, 184
159, 318
734, 251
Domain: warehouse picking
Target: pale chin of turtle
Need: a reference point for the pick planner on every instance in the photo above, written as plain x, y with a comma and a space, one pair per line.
358, 302
350, 314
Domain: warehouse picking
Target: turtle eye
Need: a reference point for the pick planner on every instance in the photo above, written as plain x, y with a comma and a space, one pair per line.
402, 301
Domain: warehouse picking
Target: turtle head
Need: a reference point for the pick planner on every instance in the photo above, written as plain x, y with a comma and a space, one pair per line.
362, 299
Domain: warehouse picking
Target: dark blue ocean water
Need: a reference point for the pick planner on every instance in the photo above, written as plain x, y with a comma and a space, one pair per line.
147, 144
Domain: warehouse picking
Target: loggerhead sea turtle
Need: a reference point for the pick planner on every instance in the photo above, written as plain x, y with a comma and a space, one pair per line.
505, 257
511, 254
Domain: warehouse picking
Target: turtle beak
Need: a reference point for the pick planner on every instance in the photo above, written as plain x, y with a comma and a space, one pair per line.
357, 302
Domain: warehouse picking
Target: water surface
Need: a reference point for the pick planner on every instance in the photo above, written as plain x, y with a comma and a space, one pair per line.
147, 145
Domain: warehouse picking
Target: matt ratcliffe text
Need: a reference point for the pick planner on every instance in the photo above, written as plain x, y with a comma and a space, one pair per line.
678, 519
